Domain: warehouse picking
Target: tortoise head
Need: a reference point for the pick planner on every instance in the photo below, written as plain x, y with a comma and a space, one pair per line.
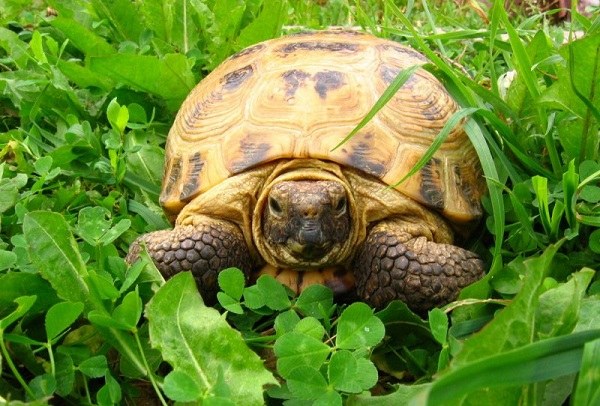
306, 222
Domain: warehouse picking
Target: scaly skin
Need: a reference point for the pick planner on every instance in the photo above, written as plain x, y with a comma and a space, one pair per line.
205, 250
393, 264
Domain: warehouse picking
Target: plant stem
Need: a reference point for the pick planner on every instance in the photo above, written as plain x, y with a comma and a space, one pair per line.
51, 358
149, 371
13, 368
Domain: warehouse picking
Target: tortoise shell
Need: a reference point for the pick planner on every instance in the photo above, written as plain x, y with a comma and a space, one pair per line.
298, 96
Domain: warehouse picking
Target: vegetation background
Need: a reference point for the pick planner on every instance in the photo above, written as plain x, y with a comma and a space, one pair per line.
88, 91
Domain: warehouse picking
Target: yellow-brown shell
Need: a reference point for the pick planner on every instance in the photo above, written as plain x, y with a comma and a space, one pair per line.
298, 97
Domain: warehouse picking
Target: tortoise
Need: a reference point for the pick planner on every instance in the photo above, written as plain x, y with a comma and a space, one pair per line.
254, 177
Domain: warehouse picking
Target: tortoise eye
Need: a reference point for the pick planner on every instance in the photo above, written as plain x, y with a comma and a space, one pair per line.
275, 207
340, 206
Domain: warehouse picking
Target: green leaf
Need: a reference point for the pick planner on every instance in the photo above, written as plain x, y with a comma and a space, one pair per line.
295, 349
42, 165
16, 284
329, 398
358, 327
54, 252
315, 301
94, 367
511, 327
438, 322
367, 374
306, 382
115, 232
577, 95
594, 241
229, 303
8, 259
24, 303
14, 47
342, 371
110, 393
118, 116
181, 387
102, 285
285, 322
273, 292
232, 282
129, 311
265, 26
558, 308
9, 190
147, 163
101, 319
60, 316
83, 39
92, 224
36, 47
196, 340
170, 77
43, 385
311, 327
253, 297
65, 374
121, 16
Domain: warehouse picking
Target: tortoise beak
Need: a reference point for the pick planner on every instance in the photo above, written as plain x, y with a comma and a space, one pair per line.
307, 251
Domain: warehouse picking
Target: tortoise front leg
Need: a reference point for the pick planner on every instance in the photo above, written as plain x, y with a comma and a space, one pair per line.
205, 248
394, 264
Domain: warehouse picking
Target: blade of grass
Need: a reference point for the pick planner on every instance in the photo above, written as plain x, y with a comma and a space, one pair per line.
587, 391
539, 361
391, 90
523, 67
431, 20
432, 56
489, 169
589, 144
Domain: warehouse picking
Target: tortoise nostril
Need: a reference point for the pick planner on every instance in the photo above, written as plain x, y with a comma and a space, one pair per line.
310, 212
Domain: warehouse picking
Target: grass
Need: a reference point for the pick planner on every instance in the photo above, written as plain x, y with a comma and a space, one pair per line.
87, 98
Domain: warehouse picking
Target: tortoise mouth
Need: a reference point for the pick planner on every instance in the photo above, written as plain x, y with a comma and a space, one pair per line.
308, 251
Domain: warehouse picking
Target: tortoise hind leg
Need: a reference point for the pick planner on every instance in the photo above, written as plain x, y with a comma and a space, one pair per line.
394, 264
205, 248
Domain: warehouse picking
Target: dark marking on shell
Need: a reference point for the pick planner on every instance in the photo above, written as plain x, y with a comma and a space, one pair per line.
253, 153
293, 80
466, 184
193, 177
433, 112
388, 73
360, 158
317, 46
433, 109
404, 51
191, 116
233, 80
248, 51
431, 184
172, 174
328, 80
